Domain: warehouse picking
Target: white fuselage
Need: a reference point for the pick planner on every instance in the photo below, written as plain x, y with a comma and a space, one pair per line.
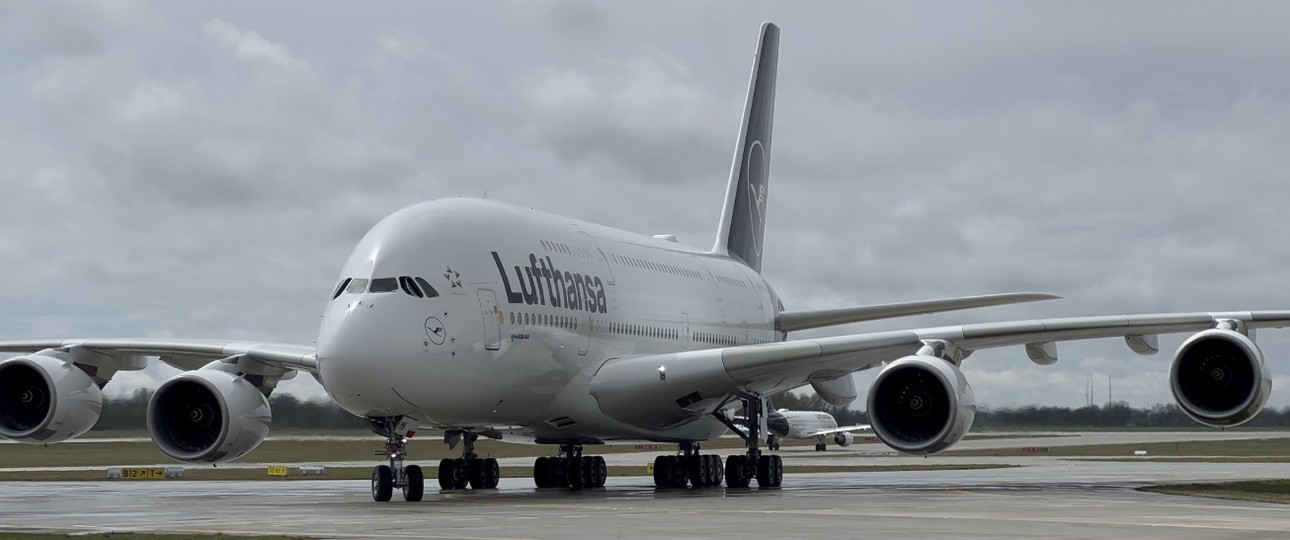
528, 305
802, 424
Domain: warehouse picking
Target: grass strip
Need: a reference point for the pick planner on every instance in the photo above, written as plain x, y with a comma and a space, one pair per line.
1272, 491
1275, 447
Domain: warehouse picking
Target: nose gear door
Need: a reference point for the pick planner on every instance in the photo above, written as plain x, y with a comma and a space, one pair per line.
492, 319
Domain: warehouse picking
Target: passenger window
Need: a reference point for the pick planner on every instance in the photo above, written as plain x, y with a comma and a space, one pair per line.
384, 285
341, 288
425, 286
357, 285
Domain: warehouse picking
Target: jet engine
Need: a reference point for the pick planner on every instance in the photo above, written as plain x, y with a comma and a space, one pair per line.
1219, 379
921, 405
843, 438
44, 399
208, 416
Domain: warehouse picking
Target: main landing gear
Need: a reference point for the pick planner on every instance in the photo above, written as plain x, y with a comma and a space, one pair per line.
690, 467
767, 469
570, 469
469, 469
395, 475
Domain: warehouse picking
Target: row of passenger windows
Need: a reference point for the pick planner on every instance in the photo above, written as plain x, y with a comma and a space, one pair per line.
643, 330
655, 266
411, 286
731, 282
567, 249
624, 329
544, 319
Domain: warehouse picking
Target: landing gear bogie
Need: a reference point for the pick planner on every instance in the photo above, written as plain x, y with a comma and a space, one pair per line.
570, 470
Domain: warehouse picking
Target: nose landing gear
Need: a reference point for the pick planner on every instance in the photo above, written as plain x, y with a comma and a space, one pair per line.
395, 475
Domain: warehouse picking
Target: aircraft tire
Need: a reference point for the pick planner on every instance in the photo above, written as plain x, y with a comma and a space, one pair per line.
698, 471
540, 477
446, 475
718, 470
662, 472
576, 473
735, 476
764, 471
413, 483
492, 473
382, 483
602, 471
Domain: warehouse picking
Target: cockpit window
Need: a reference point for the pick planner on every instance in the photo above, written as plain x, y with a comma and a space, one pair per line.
410, 287
341, 288
425, 286
385, 284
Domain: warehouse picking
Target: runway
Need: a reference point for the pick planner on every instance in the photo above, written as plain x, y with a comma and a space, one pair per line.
1049, 498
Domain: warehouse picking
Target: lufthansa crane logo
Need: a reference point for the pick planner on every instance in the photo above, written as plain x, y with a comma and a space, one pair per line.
756, 170
435, 331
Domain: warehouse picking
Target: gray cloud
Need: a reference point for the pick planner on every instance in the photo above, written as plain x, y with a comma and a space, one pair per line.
202, 171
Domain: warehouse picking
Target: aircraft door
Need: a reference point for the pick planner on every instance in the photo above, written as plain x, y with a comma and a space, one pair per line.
601, 256
585, 338
685, 331
492, 320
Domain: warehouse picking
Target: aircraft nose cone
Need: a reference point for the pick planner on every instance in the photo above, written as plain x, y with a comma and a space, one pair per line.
345, 364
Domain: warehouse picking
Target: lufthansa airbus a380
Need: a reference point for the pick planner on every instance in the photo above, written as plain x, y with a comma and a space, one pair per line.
535, 327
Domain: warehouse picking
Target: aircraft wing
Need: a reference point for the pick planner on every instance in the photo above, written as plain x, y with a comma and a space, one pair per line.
186, 354
791, 321
857, 427
693, 383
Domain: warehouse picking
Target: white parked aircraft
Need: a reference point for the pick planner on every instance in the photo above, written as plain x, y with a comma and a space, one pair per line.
819, 425
473, 315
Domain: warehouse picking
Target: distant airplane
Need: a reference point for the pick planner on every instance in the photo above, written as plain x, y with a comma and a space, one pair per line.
473, 315
818, 425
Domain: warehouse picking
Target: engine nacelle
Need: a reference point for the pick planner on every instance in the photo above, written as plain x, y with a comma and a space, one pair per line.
208, 416
44, 399
921, 405
1219, 379
843, 438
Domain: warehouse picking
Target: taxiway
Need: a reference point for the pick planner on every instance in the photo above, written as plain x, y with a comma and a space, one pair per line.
1049, 498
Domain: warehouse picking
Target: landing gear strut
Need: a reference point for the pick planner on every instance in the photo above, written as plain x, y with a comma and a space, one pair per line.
395, 475
469, 469
570, 469
767, 469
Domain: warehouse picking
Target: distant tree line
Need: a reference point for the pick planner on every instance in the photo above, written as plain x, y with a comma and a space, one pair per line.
1115, 414
129, 413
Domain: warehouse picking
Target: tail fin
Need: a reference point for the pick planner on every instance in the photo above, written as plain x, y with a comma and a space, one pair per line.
744, 218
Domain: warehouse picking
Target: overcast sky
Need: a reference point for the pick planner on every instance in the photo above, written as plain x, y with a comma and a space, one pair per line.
202, 170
